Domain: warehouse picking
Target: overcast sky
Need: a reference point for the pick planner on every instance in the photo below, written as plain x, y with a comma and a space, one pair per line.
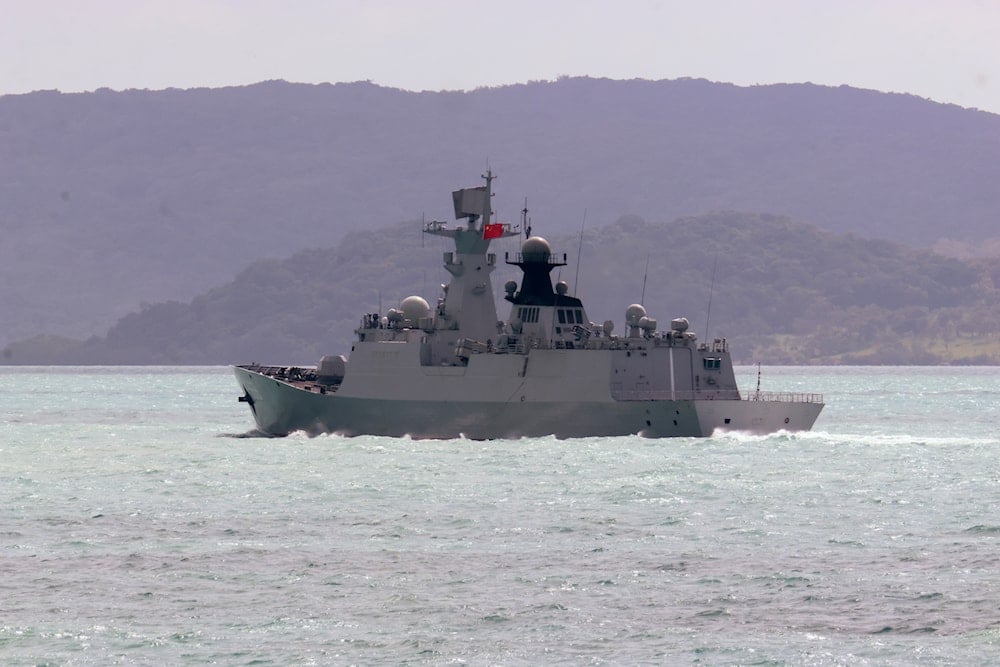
945, 50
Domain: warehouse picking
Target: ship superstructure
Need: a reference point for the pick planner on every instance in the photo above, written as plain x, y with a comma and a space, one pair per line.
456, 369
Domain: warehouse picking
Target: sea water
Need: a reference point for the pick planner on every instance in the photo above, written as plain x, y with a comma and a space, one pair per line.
138, 525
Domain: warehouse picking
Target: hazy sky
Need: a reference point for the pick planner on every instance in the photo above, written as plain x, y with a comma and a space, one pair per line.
945, 50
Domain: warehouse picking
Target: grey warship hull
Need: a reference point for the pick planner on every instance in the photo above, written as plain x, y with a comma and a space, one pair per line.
455, 370
283, 406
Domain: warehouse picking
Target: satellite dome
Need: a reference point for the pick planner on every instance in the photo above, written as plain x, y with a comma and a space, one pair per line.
510, 287
536, 249
414, 307
562, 288
634, 313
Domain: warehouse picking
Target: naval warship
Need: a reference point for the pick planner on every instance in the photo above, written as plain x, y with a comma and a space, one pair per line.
456, 370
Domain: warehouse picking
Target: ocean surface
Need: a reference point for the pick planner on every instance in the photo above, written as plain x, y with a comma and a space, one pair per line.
140, 525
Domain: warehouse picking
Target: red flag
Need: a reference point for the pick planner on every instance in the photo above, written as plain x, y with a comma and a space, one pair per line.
493, 231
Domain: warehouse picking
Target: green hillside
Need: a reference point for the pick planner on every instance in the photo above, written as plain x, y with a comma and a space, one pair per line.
780, 291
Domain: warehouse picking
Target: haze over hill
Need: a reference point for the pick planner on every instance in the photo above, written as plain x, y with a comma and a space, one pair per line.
111, 199
783, 292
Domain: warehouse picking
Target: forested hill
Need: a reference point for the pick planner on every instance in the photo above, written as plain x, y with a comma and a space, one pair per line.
109, 199
783, 293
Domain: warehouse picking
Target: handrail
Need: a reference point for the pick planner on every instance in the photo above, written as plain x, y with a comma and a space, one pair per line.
784, 397
726, 395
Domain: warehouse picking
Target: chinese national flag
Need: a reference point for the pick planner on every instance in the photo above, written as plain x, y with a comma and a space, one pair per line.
492, 231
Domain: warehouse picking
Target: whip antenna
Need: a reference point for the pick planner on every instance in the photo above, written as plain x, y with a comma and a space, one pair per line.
711, 290
525, 222
579, 253
645, 272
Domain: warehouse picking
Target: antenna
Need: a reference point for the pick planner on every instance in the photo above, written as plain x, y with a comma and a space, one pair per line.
487, 212
645, 272
525, 223
579, 253
711, 290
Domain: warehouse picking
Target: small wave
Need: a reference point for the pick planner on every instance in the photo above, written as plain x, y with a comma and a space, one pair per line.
846, 543
895, 439
989, 530
252, 433
496, 618
749, 436
679, 566
557, 529
888, 629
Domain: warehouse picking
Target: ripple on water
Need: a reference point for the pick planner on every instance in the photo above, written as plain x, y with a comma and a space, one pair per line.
175, 536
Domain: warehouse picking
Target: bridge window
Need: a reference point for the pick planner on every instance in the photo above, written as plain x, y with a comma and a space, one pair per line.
528, 314
712, 363
570, 316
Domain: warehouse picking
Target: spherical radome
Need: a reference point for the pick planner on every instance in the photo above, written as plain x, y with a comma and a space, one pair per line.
414, 307
536, 249
634, 313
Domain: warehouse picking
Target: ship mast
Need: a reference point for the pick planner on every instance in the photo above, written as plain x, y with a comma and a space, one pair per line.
487, 203
468, 308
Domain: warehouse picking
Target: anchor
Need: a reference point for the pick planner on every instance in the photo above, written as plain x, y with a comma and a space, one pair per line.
248, 399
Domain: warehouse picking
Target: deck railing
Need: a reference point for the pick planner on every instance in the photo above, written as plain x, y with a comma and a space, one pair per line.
783, 397
687, 395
